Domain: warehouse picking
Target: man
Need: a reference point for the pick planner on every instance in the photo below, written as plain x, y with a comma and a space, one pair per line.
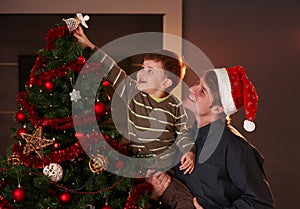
228, 170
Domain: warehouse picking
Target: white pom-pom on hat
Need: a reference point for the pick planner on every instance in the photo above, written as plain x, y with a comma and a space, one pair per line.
249, 125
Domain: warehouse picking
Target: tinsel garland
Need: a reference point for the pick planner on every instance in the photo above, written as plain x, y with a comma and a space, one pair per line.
95, 137
69, 153
5, 204
41, 78
65, 188
55, 33
55, 123
32, 115
136, 192
58, 156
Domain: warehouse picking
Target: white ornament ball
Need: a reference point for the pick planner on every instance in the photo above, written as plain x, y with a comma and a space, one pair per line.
53, 171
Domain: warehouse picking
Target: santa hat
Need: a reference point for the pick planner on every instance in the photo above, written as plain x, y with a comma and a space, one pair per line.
237, 91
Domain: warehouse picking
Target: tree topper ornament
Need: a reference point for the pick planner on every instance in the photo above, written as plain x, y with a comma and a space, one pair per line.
72, 23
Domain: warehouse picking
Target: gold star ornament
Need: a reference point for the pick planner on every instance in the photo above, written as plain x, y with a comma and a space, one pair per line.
35, 142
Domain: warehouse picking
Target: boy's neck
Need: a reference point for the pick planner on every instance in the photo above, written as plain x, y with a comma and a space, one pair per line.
159, 94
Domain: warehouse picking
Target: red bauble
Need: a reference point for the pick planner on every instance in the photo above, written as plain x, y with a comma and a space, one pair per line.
65, 198
49, 86
100, 109
81, 60
18, 194
20, 117
105, 83
119, 164
21, 131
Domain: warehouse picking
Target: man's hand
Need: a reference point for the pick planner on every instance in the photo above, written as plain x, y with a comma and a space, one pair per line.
160, 182
82, 38
187, 162
196, 203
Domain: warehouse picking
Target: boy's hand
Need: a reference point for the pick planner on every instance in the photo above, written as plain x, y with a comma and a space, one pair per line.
82, 38
187, 162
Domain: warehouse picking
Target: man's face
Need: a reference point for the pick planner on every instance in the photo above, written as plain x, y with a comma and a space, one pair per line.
151, 77
199, 100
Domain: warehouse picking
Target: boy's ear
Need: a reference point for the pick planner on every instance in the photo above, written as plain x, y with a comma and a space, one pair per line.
217, 109
167, 83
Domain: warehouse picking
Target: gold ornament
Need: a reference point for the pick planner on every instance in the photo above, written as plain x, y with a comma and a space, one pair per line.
98, 163
14, 159
35, 142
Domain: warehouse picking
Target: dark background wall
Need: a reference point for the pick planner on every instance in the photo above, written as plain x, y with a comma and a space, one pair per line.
261, 35
264, 37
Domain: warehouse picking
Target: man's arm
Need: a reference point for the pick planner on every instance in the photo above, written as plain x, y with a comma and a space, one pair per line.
245, 168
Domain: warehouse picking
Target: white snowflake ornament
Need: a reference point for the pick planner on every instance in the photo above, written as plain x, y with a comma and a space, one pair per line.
53, 171
75, 95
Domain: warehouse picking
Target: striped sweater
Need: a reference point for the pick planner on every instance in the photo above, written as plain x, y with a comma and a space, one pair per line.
155, 129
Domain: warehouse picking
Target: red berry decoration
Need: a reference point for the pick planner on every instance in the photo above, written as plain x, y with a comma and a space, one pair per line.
22, 130
56, 145
105, 83
65, 198
100, 109
49, 86
18, 194
20, 117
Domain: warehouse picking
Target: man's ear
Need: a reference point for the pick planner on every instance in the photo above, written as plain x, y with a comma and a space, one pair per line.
217, 109
167, 83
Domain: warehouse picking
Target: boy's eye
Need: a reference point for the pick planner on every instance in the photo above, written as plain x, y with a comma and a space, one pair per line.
202, 92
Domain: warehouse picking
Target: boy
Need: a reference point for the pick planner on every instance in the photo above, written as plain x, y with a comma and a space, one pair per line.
155, 117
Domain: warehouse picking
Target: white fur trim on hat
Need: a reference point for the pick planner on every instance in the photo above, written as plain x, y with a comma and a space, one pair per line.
225, 91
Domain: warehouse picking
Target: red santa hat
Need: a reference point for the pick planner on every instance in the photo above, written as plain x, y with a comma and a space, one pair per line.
237, 91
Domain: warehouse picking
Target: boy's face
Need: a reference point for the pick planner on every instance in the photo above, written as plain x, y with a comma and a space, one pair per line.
199, 100
151, 78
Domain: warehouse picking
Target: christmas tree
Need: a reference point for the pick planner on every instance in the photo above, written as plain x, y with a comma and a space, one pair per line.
48, 167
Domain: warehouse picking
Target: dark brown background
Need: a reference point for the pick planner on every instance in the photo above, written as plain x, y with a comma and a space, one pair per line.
263, 36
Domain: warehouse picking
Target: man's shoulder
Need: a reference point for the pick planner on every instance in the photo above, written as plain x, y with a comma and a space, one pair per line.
234, 137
